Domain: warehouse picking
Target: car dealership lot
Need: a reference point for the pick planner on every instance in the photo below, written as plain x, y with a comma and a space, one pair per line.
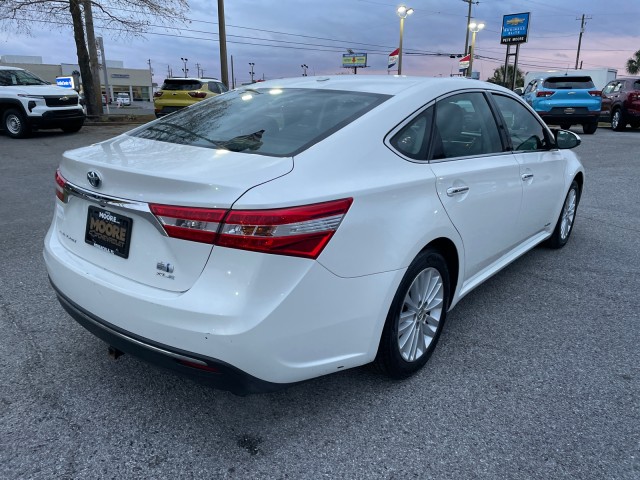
536, 374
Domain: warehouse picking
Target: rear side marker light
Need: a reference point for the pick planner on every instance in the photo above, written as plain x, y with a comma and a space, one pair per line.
301, 231
297, 231
199, 366
60, 184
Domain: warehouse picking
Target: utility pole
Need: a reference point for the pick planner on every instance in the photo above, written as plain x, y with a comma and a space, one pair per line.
233, 76
198, 69
304, 69
466, 27
151, 80
222, 35
582, 24
251, 72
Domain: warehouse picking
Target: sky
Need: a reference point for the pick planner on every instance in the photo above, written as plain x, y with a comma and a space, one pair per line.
280, 36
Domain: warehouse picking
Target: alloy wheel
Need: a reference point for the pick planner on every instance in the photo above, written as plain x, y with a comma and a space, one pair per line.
421, 314
615, 120
568, 214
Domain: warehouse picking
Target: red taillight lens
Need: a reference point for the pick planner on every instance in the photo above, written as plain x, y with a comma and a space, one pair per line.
187, 223
595, 93
60, 184
157, 94
634, 97
198, 94
296, 231
544, 93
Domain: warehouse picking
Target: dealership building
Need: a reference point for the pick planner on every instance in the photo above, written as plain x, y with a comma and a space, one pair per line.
135, 82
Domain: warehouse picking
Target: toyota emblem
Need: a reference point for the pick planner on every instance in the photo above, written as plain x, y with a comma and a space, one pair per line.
94, 179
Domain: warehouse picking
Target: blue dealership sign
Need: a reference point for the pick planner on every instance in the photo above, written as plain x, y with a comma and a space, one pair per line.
515, 28
65, 82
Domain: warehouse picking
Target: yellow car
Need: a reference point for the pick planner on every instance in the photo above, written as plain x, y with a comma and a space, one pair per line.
177, 93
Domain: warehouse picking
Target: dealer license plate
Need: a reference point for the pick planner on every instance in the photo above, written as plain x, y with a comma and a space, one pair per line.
108, 231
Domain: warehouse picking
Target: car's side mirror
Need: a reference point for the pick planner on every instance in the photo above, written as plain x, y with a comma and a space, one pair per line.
566, 139
518, 91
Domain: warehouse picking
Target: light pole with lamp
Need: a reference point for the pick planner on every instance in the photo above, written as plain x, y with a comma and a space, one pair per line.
475, 27
402, 11
251, 64
304, 69
185, 69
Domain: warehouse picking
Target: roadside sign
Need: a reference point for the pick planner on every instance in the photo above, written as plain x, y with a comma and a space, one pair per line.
65, 82
351, 60
515, 28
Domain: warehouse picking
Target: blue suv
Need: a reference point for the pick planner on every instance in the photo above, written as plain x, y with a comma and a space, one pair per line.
565, 100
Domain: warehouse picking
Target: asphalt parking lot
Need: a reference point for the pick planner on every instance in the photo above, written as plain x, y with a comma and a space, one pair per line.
537, 374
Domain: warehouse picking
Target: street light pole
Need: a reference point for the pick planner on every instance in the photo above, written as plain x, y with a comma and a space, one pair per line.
475, 27
402, 11
185, 69
304, 69
251, 64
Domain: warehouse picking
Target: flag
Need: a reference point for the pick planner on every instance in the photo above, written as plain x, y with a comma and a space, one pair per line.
393, 58
464, 62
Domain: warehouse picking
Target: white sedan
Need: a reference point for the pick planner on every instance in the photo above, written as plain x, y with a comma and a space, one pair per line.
284, 231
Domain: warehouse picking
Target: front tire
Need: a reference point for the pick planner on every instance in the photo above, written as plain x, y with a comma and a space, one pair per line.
564, 226
590, 128
416, 316
15, 124
565, 126
617, 123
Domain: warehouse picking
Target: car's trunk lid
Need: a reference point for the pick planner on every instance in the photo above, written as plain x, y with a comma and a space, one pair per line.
134, 173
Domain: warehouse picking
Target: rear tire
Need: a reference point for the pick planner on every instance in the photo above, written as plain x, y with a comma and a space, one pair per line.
635, 125
564, 225
565, 126
590, 128
15, 124
416, 316
617, 123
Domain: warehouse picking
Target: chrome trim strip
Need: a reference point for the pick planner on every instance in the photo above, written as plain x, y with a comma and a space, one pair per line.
140, 208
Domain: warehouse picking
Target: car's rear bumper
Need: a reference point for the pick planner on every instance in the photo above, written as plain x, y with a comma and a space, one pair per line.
214, 372
573, 119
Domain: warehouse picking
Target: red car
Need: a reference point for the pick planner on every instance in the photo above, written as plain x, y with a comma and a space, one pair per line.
621, 103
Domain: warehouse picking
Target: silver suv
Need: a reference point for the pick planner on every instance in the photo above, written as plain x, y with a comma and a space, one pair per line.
28, 102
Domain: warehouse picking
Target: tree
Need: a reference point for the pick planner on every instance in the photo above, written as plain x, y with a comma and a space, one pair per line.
633, 64
124, 17
498, 76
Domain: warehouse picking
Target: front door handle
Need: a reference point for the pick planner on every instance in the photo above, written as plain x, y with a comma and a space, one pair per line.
527, 176
451, 191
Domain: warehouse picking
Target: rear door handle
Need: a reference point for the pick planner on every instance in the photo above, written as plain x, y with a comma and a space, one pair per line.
451, 191
527, 176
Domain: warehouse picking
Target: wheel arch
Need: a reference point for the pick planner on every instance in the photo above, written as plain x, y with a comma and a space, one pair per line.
9, 103
451, 255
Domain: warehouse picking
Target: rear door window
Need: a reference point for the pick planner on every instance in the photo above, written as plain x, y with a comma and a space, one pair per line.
567, 83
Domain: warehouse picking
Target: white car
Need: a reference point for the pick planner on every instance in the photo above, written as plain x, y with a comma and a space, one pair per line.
123, 98
301, 227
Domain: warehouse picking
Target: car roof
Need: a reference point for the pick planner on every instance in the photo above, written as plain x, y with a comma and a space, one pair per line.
193, 79
10, 68
382, 84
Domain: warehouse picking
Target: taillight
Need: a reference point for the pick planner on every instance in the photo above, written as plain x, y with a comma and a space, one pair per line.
198, 94
158, 94
634, 97
544, 93
60, 184
595, 93
296, 231
187, 223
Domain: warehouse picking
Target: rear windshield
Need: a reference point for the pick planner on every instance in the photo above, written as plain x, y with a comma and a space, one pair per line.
181, 84
275, 122
561, 83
